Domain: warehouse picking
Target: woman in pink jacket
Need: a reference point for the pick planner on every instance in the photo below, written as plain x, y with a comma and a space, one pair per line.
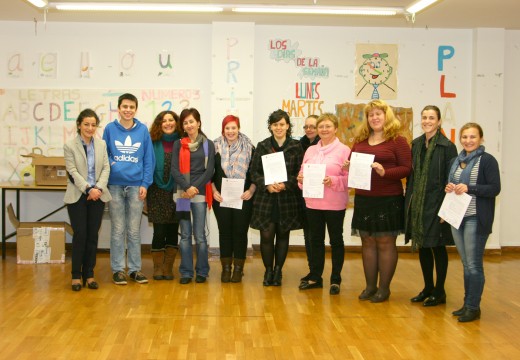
328, 210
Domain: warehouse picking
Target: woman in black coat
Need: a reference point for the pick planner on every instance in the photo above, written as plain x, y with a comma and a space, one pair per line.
431, 155
277, 207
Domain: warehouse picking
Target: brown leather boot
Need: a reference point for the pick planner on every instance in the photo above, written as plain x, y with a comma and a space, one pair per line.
158, 260
238, 270
225, 277
169, 259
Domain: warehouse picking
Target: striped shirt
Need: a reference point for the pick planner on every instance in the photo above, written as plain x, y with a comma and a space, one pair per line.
472, 208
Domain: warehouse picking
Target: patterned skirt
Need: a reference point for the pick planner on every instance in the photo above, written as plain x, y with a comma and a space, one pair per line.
378, 216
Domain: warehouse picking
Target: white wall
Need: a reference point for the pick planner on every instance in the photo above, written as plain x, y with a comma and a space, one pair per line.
274, 81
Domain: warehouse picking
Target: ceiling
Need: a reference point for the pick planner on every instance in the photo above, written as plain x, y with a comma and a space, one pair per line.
466, 14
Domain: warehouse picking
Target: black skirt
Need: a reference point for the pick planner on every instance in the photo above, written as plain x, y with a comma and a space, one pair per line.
378, 215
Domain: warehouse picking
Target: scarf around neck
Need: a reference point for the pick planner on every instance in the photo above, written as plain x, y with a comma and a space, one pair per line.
235, 158
419, 190
183, 206
158, 175
470, 160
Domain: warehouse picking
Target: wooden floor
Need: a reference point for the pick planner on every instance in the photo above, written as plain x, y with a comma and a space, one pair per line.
41, 318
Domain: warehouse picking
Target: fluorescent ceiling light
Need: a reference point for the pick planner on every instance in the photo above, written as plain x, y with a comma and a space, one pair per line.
419, 5
38, 3
136, 7
317, 10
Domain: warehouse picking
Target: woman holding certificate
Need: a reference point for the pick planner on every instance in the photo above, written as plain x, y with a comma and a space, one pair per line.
233, 153
277, 205
379, 212
193, 164
323, 162
475, 173
432, 153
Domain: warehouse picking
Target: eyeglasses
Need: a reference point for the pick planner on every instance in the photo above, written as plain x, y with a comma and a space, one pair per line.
310, 127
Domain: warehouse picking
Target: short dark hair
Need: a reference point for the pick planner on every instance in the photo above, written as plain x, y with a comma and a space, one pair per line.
85, 114
276, 116
196, 115
127, 96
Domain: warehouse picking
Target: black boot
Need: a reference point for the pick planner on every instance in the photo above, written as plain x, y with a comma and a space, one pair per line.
225, 277
277, 276
238, 270
470, 315
268, 277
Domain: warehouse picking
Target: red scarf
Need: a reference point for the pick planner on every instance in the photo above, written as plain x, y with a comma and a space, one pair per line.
184, 166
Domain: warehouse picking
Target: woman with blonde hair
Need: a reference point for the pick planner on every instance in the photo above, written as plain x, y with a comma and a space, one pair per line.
379, 212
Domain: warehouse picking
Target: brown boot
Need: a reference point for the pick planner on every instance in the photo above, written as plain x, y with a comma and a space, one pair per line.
238, 270
225, 277
169, 259
158, 260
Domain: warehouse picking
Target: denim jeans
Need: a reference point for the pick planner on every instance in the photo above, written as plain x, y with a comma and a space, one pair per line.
333, 220
197, 228
470, 246
125, 215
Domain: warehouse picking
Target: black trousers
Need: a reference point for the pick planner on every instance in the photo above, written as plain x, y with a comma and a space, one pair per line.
233, 225
333, 220
85, 218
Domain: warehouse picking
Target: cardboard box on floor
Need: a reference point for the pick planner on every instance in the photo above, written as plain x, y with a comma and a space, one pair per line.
48, 170
39, 242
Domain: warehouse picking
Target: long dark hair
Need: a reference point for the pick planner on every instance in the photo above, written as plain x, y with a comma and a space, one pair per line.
196, 115
156, 131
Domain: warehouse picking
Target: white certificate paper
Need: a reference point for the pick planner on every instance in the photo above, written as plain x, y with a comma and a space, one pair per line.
454, 207
231, 191
274, 168
313, 175
360, 171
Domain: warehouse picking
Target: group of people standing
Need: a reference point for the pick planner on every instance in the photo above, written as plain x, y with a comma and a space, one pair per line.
179, 172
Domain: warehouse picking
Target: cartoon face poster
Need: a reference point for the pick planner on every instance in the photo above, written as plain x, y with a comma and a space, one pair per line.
376, 75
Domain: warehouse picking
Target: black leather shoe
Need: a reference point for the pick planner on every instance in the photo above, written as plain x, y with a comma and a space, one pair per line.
469, 315
334, 289
421, 297
435, 300
76, 287
185, 280
459, 312
306, 277
277, 276
367, 294
268, 277
200, 279
380, 296
306, 285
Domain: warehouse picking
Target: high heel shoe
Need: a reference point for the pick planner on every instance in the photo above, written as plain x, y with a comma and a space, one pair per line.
93, 285
76, 287
268, 277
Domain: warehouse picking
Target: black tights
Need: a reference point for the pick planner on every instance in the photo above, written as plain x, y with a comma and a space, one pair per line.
430, 257
271, 252
379, 260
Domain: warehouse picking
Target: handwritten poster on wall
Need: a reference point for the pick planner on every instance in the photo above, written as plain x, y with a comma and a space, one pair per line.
376, 76
46, 118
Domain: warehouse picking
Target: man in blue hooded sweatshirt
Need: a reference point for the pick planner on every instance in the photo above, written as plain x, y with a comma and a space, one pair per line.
132, 162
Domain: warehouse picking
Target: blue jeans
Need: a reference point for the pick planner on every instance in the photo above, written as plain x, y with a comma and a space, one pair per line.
198, 214
125, 215
470, 246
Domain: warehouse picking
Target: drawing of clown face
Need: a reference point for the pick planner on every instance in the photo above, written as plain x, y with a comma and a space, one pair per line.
375, 71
